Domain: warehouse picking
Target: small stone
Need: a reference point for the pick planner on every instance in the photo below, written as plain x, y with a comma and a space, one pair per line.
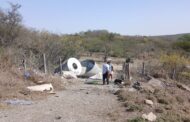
40, 82
87, 93
149, 102
159, 110
58, 117
168, 107
24, 92
132, 90
155, 83
150, 117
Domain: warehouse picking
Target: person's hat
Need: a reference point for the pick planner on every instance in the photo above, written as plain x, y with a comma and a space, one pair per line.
109, 60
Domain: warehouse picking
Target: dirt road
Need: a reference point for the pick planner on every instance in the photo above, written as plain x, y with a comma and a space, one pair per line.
78, 103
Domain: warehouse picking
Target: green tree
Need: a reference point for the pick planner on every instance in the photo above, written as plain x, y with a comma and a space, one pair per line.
108, 40
174, 63
184, 43
10, 24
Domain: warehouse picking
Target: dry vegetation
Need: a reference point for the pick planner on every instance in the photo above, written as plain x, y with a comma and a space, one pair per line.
171, 103
13, 84
12, 81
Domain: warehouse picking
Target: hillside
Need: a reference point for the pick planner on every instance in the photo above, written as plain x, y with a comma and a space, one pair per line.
148, 68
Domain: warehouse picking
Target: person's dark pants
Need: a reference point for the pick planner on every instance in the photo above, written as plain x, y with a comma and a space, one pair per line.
105, 78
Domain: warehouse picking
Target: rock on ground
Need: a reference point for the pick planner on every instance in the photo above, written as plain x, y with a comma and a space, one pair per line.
150, 117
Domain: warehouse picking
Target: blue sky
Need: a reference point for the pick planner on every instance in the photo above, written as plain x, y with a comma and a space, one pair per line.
127, 17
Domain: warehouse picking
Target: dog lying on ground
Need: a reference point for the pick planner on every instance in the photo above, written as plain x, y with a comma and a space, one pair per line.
118, 81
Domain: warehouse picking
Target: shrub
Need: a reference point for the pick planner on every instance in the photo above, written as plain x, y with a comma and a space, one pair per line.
174, 63
173, 116
185, 45
137, 119
132, 107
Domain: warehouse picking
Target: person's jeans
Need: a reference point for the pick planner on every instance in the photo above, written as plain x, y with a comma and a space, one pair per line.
105, 78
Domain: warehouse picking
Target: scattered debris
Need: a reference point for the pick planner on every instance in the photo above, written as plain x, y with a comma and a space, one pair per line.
150, 117
181, 86
137, 85
73, 68
41, 88
35, 76
58, 117
52, 92
97, 76
132, 90
155, 83
69, 75
72, 65
27, 75
92, 81
90, 68
149, 102
18, 102
24, 92
40, 82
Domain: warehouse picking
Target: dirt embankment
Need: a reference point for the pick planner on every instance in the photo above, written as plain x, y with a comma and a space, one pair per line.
171, 103
14, 85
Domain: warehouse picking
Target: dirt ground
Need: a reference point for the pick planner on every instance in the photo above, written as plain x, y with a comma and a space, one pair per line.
78, 103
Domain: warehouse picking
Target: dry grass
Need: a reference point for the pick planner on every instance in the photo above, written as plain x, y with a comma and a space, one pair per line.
3, 106
13, 84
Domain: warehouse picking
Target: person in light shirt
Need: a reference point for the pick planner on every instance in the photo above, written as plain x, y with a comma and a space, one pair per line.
105, 72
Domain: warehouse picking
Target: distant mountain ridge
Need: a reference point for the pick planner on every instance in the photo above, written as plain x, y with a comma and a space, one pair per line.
174, 37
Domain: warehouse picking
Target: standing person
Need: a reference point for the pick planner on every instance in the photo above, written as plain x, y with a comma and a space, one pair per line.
105, 72
110, 69
111, 75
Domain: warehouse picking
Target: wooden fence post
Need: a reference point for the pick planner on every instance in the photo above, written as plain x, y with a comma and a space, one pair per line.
45, 67
143, 68
128, 71
173, 74
24, 64
60, 64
